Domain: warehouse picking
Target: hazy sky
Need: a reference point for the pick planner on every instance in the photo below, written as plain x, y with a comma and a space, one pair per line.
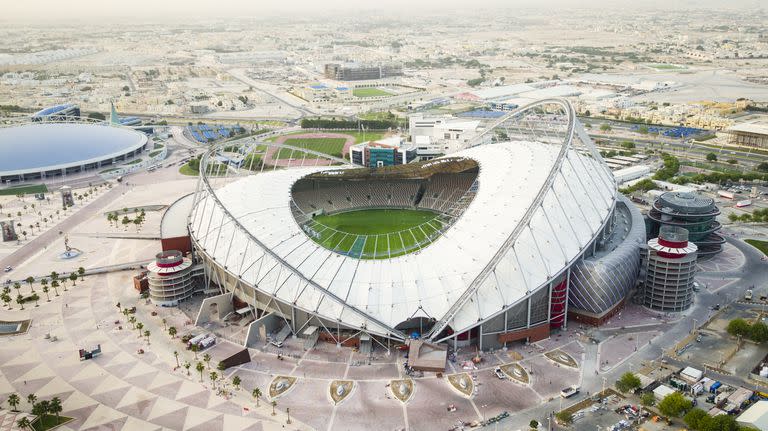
43, 10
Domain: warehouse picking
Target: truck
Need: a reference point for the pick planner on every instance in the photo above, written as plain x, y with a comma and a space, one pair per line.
725, 194
744, 203
748, 295
569, 391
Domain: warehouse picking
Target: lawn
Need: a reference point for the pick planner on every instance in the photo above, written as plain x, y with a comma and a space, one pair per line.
154, 153
357, 134
760, 245
370, 92
49, 421
330, 146
185, 169
376, 233
133, 162
24, 190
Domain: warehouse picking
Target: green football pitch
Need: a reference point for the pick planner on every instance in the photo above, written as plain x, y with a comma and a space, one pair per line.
330, 146
370, 92
375, 233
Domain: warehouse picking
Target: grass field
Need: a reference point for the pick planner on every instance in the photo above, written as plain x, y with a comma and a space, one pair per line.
185, 169
376, 233
760, 245
358, 135
24, 190
330, 146
370, 92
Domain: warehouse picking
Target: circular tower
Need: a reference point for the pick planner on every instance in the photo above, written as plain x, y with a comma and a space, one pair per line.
694, 212
670, 268
170, 278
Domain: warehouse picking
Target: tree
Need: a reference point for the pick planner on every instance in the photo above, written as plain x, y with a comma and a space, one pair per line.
274, 404
194, 349
695, 418
213, 375
30, 281
146, 335
45, 290
762, 167
256, 393
13, 401
711, 157
236, 382
733, 161
628, 382
564, 417
738, 327
176, 355
73, 278
81, 273
172, 331
20, 301
200, 368
165, 325
606, 127
628, 145
648, 399
7, 299
533, 424
207, 360
187, 365
139, 327
24, 423
758, 332
674, 405
44, 283
55, 407
55, 286
31, 398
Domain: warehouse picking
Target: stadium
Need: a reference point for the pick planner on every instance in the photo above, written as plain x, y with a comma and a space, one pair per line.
485, 246
41, 150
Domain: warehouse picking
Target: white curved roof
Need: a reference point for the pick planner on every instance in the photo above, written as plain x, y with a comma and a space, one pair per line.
381, 293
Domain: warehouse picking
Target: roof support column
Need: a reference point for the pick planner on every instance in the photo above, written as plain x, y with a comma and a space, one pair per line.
567, 297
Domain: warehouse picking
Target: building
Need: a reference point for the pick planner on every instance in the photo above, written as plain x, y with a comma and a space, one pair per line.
40, 151
756, 416
496, 270
385, 152
360, 72
752, 134
64, 112
171, 278
435, 136
670, 266
694, 212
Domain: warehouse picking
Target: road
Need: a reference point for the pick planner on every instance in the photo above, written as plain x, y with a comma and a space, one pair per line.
241, 76
753, 272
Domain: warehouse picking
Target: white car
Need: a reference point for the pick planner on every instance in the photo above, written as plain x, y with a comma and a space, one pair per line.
8, 268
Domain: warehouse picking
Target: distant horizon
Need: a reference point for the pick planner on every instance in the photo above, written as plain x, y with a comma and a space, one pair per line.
42, 11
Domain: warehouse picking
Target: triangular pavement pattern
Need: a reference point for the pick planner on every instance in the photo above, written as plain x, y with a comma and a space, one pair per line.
133, 424
169, 390
135, 395
53, 387
33, 386
109, 383
139, 369
162, 379
39, 372
163, 407
90, 370
101, 416
237, 423
113, 425
76, 401
197, 416
214, 400
171, 420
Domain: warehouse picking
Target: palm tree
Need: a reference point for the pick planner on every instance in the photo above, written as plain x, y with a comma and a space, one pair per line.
45, 290
54, 275
17, 286
73, 278
200, 368
24, 423
44, 282
55, 285
165, 327
64, 283
172, 332
274, 404
31, 398
194, 349
81, 272
24, 233
213, 377
132, 321
187, 365
20, 301
13, 401
288, 412
139, 326
256, 394
236, 382
147, 334
176, 355
55, 407
7, 299
31, 282
207, 360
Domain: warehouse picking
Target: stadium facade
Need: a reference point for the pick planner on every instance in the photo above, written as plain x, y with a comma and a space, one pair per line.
44, 150
527, 223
